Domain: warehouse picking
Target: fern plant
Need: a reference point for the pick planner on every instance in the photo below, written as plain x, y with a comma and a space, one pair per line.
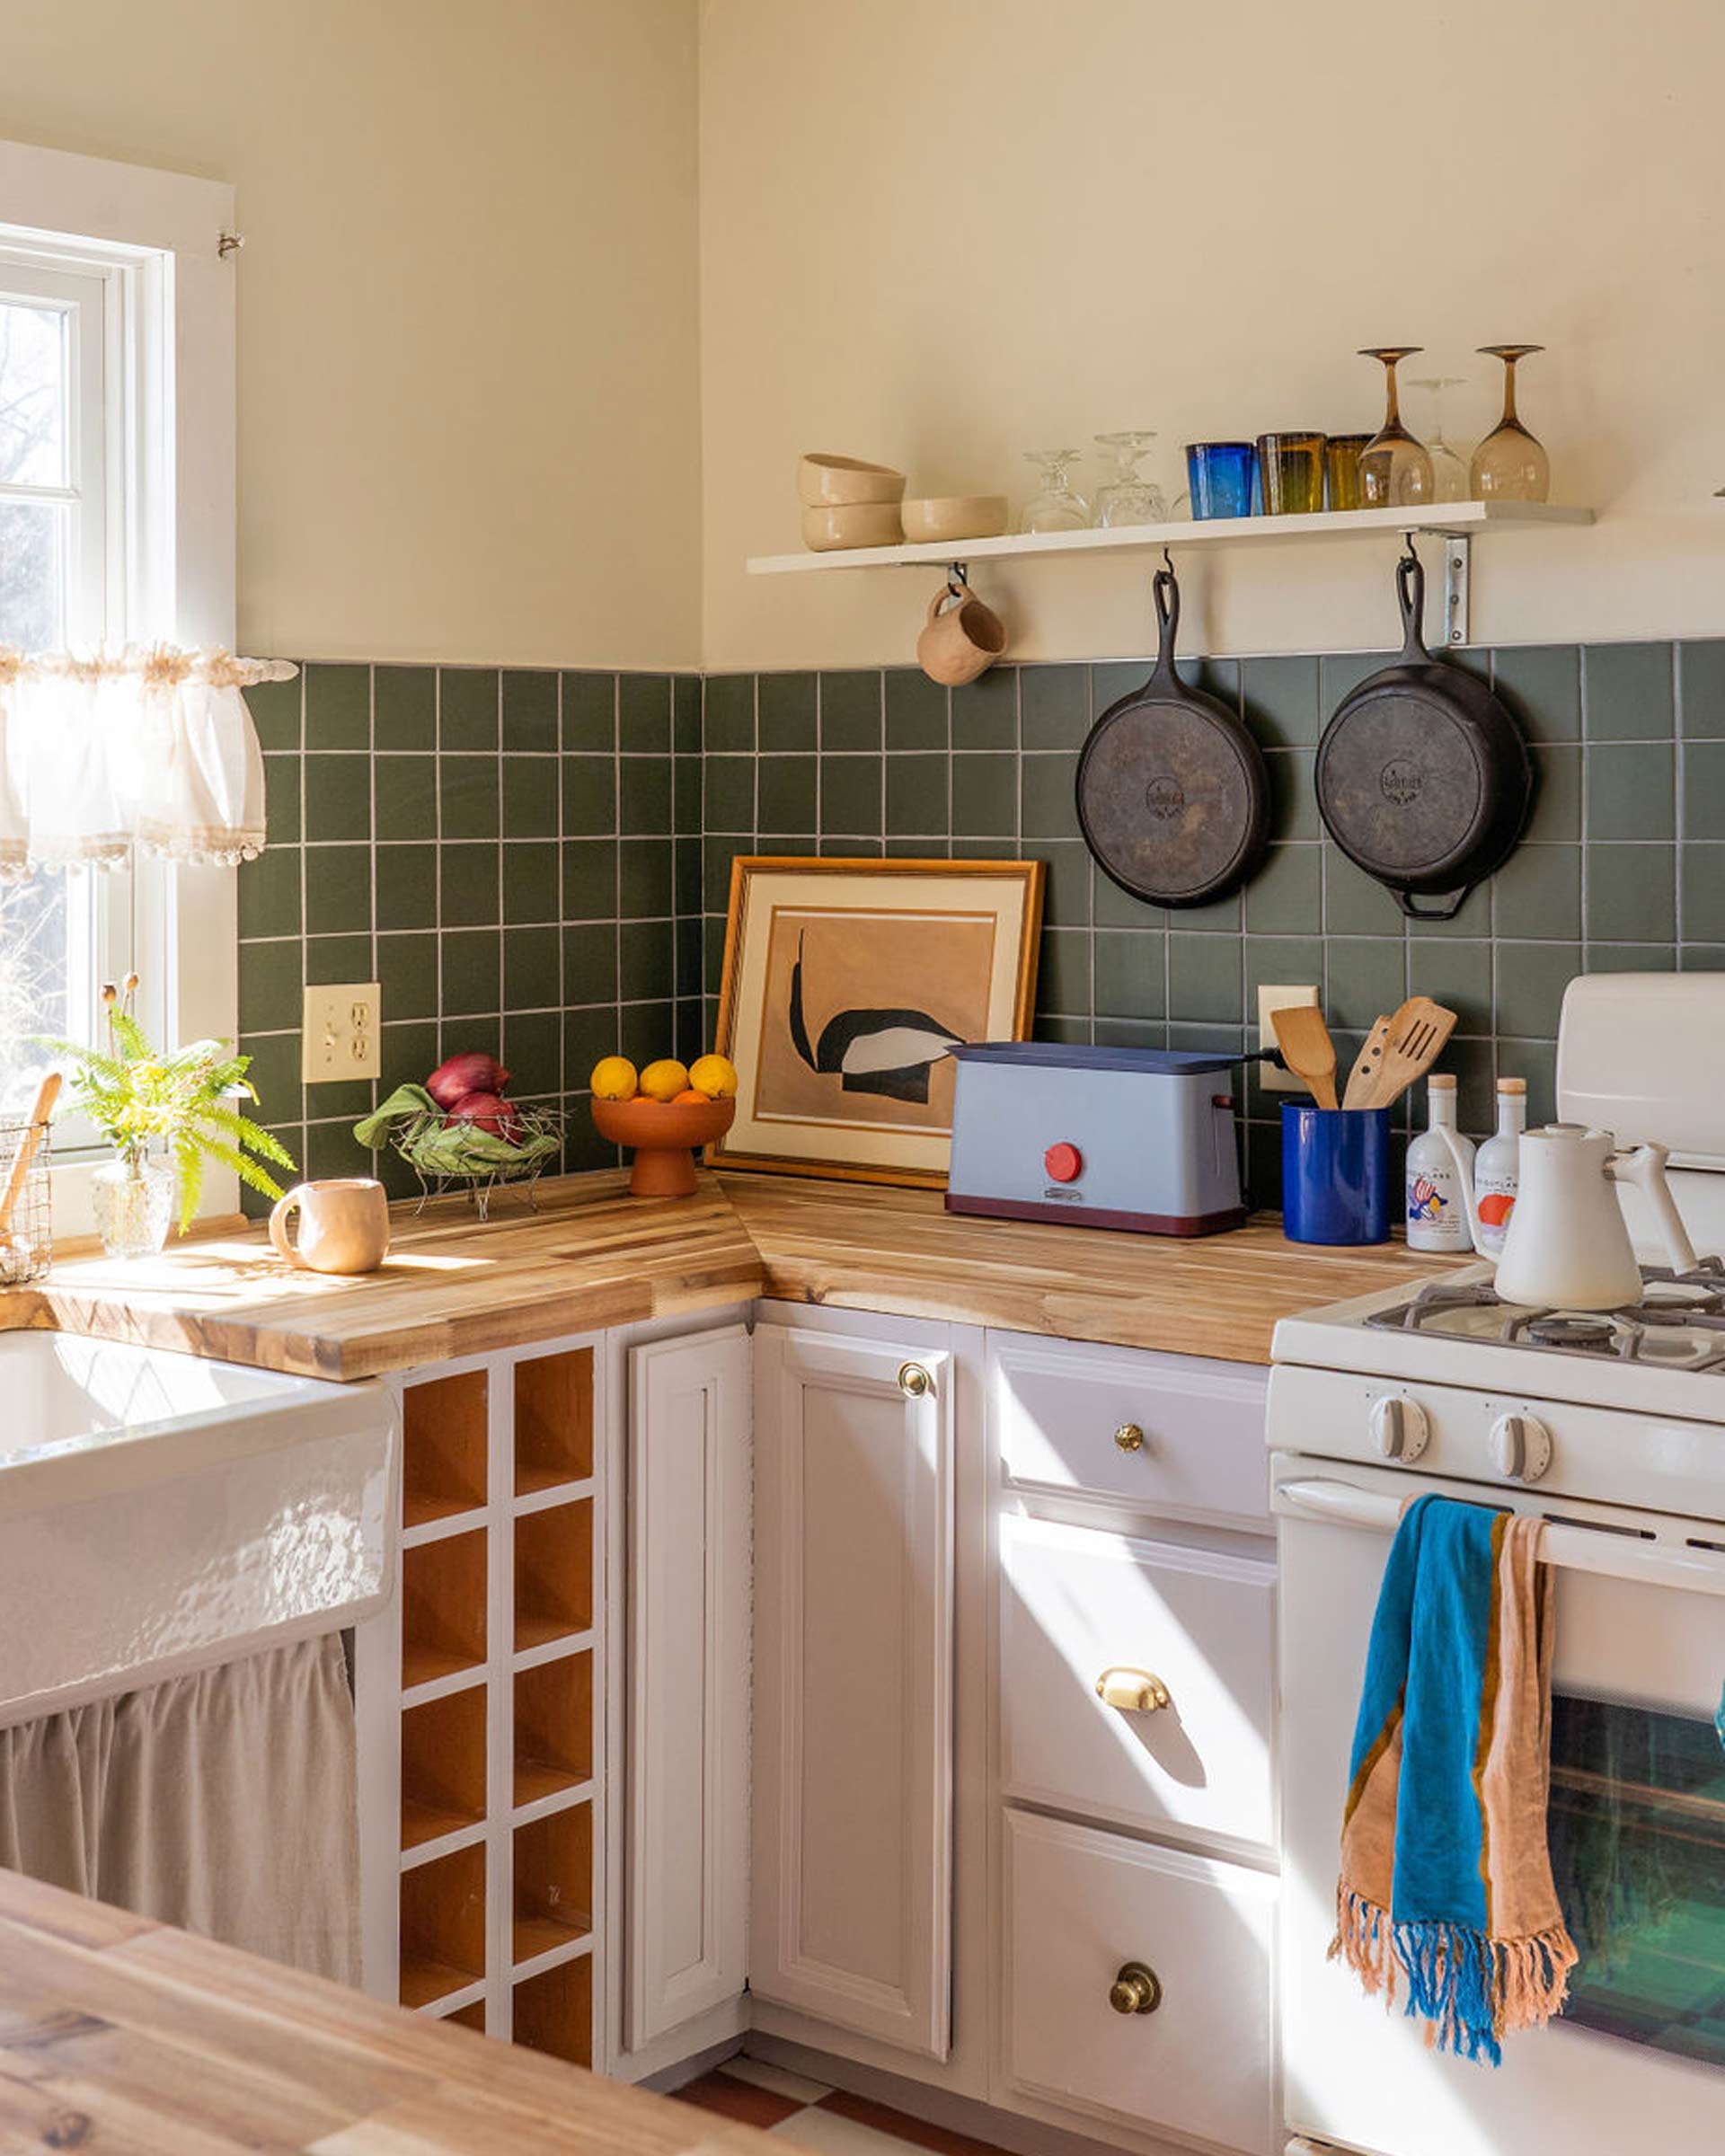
141, 1098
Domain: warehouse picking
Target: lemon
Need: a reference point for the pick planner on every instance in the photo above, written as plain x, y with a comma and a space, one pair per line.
614, 1079
715, 1076
664, 1080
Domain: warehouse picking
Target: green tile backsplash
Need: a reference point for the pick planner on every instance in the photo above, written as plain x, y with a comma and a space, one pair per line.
537, 863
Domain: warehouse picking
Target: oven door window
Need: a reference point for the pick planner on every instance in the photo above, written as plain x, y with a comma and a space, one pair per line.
1637, 1825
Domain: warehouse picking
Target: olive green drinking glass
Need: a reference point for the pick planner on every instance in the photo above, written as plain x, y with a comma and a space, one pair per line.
1342, 470
1291, 469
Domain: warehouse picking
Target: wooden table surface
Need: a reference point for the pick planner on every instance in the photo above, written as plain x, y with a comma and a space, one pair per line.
120, 2035
593, 1257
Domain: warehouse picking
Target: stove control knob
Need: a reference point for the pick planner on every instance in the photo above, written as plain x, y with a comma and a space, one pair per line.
1521, 1448
1064, 1163
1400, 1429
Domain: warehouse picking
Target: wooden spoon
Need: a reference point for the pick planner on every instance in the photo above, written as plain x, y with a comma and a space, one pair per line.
48, 1093
1417, 1032
1304, 1041
1363, 1074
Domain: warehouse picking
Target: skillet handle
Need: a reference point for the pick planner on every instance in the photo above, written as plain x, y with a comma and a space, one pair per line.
1411, 594
1164, 591
1447, 911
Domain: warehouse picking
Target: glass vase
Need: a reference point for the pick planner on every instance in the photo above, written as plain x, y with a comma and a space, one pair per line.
134, 1204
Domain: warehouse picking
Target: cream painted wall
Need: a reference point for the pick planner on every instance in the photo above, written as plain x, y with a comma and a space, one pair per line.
468, 341
939, 234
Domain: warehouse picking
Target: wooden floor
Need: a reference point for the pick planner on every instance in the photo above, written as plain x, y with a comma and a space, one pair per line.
808, 2116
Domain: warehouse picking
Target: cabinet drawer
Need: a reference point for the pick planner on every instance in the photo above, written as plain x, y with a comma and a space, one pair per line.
1057, 1407
1074, 1602
1080, 1905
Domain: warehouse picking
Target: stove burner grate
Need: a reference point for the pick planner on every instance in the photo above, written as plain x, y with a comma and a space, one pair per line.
1591, 1336
1680, 1324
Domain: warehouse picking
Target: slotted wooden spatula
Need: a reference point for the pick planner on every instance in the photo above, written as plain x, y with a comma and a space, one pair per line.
1417, 1032
1307, 1049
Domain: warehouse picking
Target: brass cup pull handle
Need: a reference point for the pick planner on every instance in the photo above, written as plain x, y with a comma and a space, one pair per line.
1132, 1690
1136, 1990
914, 1380
1129, 1437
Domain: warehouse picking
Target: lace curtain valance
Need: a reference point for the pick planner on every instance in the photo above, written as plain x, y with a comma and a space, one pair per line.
148, 749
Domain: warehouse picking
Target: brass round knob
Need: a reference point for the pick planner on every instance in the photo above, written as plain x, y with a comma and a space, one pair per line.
1136, 1990
914, 1380
1129, 1437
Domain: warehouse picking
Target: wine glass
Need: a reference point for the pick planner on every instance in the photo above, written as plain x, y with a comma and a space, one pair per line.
1056, 506
1129, 498
1394, 470
1450, 481
1510, 465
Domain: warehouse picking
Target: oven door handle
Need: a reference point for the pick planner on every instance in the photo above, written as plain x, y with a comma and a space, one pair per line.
1617, 1556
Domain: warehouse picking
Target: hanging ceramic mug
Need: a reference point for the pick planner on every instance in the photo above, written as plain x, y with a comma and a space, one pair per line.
343, 1225
960, 639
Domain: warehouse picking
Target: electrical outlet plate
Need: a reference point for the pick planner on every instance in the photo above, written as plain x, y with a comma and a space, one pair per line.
1270, 998
339, 1032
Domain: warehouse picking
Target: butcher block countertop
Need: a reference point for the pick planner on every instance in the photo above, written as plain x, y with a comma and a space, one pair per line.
594, 1257
119, 2033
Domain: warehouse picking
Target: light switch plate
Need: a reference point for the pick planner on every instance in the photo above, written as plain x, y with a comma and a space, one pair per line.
339, 1032
1270, 998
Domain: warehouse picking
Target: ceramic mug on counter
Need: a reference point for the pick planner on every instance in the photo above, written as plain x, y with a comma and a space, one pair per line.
343, 1225
960, 639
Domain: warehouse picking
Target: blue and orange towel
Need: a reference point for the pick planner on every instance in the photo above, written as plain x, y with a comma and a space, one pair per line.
1445, 1882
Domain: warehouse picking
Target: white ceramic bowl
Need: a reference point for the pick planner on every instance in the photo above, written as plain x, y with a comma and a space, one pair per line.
837, 481
857, 524
954, 516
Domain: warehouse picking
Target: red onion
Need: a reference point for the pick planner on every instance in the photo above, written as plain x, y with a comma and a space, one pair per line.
487, 1111
474, 1072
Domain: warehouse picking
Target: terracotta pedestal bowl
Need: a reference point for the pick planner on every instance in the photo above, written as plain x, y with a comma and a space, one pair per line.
664, 1134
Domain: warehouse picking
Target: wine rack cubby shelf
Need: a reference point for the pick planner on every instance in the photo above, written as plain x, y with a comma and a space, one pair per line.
500, 1706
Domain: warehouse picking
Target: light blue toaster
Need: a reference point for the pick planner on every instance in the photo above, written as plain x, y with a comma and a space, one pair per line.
1139, 1138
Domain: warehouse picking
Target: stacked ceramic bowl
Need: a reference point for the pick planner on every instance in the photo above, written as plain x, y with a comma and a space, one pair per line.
846, 502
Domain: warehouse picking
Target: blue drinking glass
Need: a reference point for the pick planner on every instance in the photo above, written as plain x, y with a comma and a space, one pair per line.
1220, 476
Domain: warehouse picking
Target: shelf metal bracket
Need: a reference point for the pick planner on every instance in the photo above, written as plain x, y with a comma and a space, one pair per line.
1458, 549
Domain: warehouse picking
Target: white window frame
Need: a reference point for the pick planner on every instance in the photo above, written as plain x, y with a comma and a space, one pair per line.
176, 556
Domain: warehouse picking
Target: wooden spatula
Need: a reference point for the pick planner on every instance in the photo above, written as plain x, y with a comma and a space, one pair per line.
1363, 1074
1304, 1041
1418, 1033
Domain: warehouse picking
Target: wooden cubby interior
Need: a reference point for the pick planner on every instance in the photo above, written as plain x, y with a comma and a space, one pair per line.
554, 1573
553, 2011
553, 1881
553, 1420
443, 1766
443, 1926
554, 1727
444, 1447
443, 1607
469, 2017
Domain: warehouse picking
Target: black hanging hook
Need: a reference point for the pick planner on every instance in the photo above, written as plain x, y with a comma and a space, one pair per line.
1412, 552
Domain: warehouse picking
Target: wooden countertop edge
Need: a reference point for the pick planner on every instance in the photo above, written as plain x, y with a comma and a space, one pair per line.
592, 1259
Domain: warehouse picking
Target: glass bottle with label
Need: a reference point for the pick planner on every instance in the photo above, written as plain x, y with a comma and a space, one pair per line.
1497, 1177
1436, 1210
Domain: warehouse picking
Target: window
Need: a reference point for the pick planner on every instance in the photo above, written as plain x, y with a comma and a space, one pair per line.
117, 517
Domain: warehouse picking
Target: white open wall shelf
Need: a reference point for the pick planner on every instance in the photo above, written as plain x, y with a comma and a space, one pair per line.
1456, 522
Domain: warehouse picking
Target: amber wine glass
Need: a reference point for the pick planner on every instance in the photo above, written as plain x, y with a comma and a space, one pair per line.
1509, 465
1394, 470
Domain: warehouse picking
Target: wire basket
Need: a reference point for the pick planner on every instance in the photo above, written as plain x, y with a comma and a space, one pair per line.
26, 1234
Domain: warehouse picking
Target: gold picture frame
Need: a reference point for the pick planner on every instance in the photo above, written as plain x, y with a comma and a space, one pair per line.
842, 1071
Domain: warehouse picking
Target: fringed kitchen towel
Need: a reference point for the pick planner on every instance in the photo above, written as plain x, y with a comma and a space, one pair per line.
1446, 1875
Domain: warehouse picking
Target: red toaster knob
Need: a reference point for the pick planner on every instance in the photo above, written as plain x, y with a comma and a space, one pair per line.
1064, 1163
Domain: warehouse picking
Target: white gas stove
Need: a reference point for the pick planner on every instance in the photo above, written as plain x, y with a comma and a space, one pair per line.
1611, 1424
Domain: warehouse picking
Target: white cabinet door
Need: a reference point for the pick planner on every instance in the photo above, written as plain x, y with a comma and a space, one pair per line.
854, 1586
688, 1867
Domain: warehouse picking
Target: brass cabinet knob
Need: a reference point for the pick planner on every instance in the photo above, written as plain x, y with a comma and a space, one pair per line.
1129, 1437
1136, 1990
914, 1380
1132, 1690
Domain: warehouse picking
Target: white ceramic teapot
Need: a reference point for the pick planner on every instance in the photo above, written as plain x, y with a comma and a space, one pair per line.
1567, 1247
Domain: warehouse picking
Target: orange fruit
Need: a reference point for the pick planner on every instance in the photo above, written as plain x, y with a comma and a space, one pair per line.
690, 1098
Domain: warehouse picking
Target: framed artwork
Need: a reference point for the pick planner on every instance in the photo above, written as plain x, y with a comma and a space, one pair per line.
846, 984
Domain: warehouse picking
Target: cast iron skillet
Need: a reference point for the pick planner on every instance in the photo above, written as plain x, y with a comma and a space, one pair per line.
1174, 800
1423, 778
